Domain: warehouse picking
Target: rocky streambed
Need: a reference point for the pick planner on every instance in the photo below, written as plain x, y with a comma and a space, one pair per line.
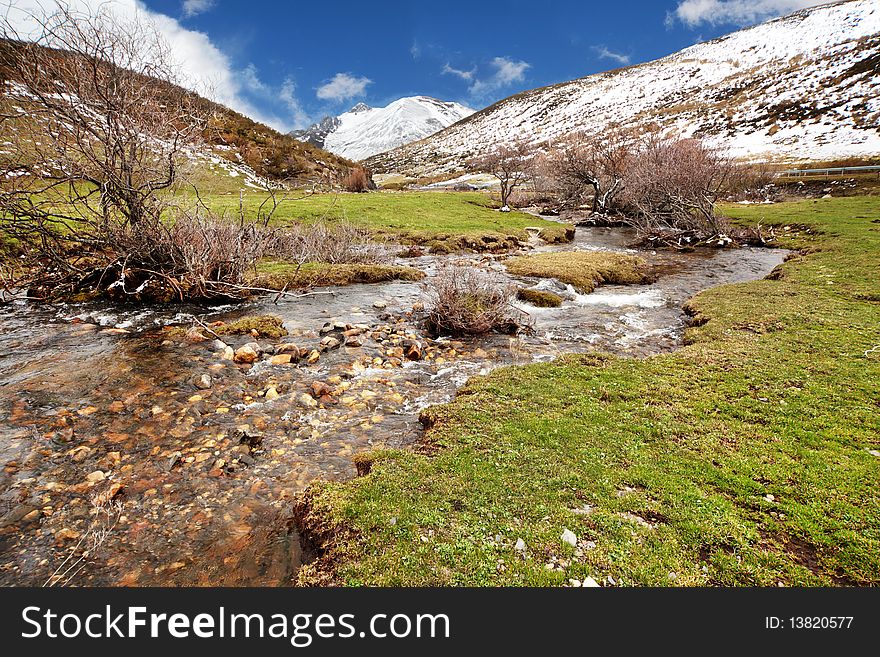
133, 455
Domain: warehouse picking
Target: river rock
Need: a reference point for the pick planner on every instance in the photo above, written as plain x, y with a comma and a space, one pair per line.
290, 349
280, 359
271, 394
354, 341
246, 354
203, 382
413, 350
314, 357
320, 389
307, 401
330, 343
195, 335
380, 304
96, 477
16, 514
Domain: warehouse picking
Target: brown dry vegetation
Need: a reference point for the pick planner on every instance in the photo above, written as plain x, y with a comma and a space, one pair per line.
585, 271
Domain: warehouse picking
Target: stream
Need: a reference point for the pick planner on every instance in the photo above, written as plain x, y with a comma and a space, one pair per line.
131, 458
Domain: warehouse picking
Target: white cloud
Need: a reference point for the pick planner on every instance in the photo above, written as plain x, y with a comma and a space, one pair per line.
203, 67
299, 117
343, 86
604, 53
507, 72
735, 12
464, 75
192, 8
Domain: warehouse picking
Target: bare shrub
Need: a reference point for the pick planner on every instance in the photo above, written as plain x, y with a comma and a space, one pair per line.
193, 256
105, 514
672, 187
751, 182
356, 180
334, 243
468, 301
97, 115
509, 163
593, 169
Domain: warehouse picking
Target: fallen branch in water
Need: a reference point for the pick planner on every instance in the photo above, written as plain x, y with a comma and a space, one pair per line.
106, 516
247, 288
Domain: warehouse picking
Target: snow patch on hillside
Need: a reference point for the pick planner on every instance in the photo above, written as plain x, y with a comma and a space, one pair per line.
802, 87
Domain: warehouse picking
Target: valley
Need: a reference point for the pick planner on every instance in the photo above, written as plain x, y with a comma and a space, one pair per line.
592, 334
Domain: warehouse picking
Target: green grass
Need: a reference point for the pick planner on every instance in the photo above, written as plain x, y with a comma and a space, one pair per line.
415, 216
747, 451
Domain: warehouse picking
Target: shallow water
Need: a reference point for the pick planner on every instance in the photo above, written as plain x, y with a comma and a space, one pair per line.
194, 486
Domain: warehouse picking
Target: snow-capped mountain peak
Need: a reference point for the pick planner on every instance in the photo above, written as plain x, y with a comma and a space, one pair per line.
363, 131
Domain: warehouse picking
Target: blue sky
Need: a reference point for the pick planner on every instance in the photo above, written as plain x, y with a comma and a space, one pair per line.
290, 63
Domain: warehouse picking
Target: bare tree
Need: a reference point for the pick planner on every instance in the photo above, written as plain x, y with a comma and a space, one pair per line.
100, 130
673, 185
593, 168
509, 163
94, 104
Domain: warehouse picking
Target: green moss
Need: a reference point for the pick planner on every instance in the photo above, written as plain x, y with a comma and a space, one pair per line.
558, 234
266, 326
280, 275
540, 298
744, 458
583, 270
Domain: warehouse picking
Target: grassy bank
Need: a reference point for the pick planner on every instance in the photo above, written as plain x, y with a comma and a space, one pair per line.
418, 217
748, 457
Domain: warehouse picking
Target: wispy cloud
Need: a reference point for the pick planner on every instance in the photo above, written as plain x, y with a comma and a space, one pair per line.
734, 12
343, 86
298, 116
602, 52
464, 75
203, 67
192, 8
506, 72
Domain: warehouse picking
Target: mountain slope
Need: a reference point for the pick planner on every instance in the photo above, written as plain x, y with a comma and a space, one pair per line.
235, 146
801, 87
363, 131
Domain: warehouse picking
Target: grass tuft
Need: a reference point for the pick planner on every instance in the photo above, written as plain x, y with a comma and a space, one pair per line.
585, 271
540, 298
276, 275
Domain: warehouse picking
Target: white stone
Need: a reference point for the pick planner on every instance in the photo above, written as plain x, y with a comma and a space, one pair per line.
569, 537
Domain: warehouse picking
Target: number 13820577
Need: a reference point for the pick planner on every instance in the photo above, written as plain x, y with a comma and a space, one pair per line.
808, 623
